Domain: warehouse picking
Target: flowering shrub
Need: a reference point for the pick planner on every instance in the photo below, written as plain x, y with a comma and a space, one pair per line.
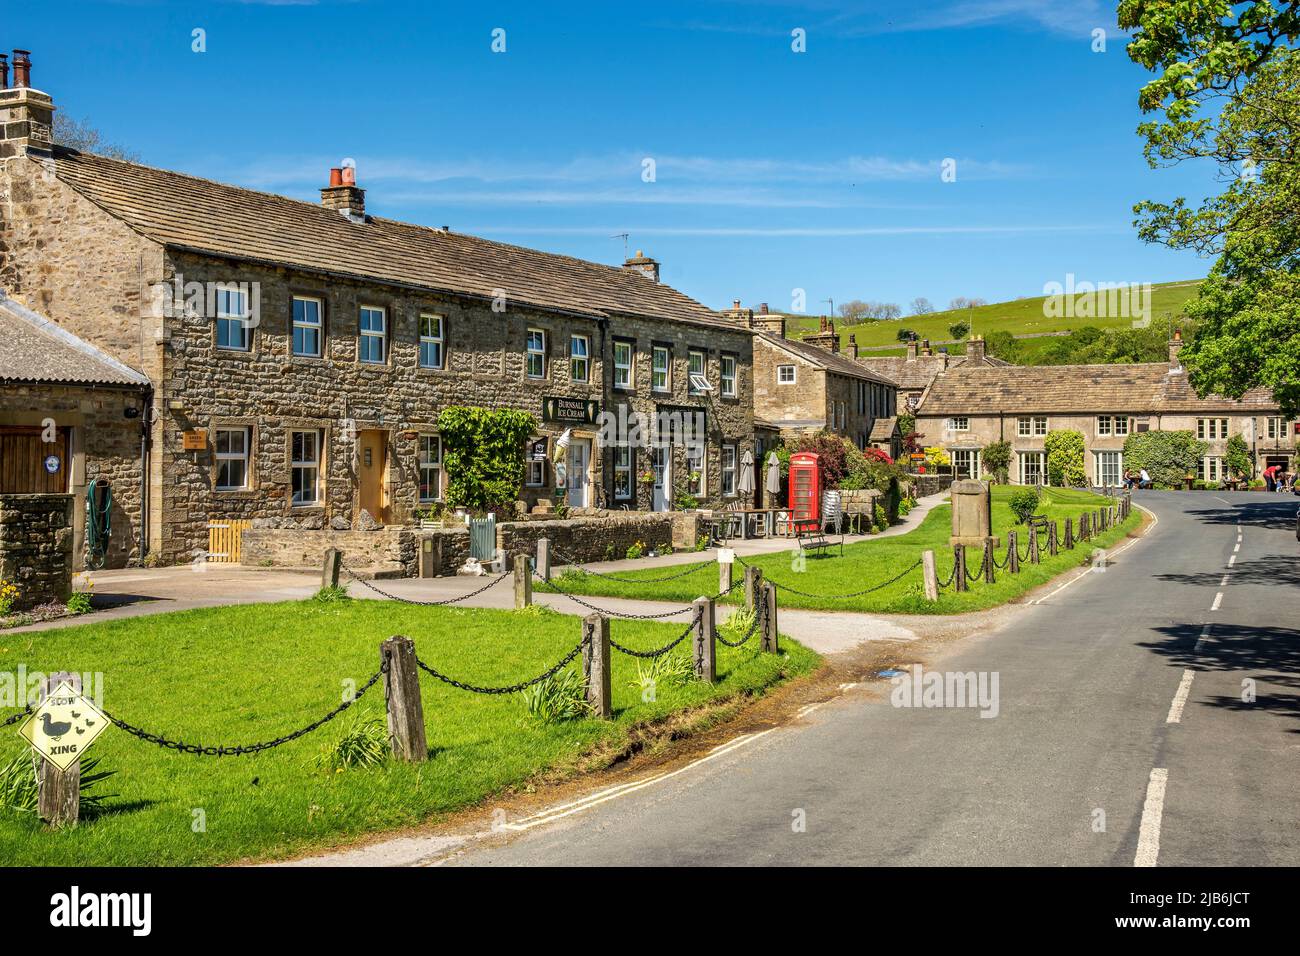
8, 597
635, 550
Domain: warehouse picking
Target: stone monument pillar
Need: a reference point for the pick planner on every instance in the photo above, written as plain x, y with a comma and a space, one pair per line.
972, 513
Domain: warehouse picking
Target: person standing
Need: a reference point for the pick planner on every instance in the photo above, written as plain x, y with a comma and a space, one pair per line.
1270, 477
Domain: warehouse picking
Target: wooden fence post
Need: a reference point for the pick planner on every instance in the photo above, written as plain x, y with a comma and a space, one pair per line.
724, 577
770, 639
959, 567
544, 558
753, 582
705, 640
1069, 534
329, 576
1034, 556
1013, 552
58, 792
988, 562
402, 696
930, 575
1052, 546
523, 580
595, 665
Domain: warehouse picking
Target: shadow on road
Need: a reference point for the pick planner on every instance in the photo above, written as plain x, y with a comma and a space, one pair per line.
1265, 511
1274, 569
1264, 654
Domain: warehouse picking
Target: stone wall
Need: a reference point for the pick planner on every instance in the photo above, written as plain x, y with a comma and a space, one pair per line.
587, 539
36, 547
386, 552
923, 485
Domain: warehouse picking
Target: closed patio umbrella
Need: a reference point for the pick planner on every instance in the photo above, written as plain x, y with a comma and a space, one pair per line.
745, 482
773, 478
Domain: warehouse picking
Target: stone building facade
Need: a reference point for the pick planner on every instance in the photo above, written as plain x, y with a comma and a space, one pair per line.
299, 355
969, 407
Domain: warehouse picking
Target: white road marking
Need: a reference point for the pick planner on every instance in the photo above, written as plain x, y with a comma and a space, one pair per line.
1205, 632
1236, 547
1109, 556
1218, 599
1180, 698
1224, 581
1148, 849
556, 813
1232, 560
849, 686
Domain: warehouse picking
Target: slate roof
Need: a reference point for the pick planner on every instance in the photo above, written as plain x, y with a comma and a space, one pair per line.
1135, 388
824, 358
186, 212
917, 373
39, 351
882, 429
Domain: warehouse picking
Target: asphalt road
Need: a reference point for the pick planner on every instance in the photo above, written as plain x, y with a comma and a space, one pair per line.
1121, 735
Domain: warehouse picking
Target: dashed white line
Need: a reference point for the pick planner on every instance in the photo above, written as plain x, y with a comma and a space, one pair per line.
1205, 632
1232, 560
1180, 698
1218, 599
1236, 547
1148, 848
1224, 582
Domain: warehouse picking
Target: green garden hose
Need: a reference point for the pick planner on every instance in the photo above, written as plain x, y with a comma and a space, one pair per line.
99, 523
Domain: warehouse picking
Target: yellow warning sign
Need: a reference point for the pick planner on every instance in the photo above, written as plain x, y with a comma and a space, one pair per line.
63, 726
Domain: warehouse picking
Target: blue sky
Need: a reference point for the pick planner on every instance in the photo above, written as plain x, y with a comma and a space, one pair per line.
773, 170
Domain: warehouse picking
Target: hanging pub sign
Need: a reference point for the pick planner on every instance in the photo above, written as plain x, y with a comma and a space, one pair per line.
570, 411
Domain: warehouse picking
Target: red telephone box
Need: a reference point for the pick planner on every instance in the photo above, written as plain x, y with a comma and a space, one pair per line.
805, 490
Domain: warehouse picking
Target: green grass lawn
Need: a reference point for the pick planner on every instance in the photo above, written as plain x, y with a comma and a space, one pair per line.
869, 562
238, 675
1019, 316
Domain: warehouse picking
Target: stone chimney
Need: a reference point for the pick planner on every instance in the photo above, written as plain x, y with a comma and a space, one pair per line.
737, 314
975, 350
343, 196
26, 115
853, 346
643, 264
911, 349
826, 337
925, 347
1175, 346
769, 322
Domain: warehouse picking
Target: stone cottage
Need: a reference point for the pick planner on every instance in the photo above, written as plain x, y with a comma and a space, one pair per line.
299, 354
968, 407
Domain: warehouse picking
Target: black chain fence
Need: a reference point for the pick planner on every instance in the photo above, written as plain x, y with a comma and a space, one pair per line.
760, 616
549, 587
242, 749
512, 688
689, 569
16, 717
661, 651
443, 603
850, 594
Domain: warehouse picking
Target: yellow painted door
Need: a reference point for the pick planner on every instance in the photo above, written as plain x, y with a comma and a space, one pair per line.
372, 466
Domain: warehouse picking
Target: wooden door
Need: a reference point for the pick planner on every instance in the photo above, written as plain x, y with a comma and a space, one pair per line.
29, 465
372, 469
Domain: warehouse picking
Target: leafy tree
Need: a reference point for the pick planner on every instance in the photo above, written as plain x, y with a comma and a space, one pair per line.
1065, 458
1237, 457
832, 452
962, 302
959, 330
1003, 345
1224, 93
483, 453
905, 335
922, 306
1023, 503
1168, 457
906, 423
997, 459
855, 310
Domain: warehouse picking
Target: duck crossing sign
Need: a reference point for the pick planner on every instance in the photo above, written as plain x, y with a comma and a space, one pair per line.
63, 726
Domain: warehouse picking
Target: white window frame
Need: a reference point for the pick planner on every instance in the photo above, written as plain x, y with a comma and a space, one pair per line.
309, 328
959, 423
425, 464
794, 375
623, 466
1039, 459
312, 465
626, 370
692, 371
1098, 473
1025, 426
727, 380
1274, 427
1103, 425
1203, 469
655, 371
728, 469
976, 460
366, 336
697, 454
244, 457
582, 358
1122, 425
1211, 429
433, 341
230, 315
535, 350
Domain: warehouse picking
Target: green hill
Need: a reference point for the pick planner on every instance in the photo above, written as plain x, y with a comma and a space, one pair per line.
1019, 317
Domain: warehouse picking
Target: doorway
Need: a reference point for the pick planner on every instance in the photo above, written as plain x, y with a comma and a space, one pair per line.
579, 473
29, 465
372, 473
661, 465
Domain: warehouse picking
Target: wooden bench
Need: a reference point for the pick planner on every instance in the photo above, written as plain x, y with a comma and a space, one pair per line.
811, 536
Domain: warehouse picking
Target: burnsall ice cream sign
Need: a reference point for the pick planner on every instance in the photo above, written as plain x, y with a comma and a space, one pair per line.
570, 411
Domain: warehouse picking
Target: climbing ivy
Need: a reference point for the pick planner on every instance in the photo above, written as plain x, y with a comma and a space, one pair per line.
483, 455
1065, 458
